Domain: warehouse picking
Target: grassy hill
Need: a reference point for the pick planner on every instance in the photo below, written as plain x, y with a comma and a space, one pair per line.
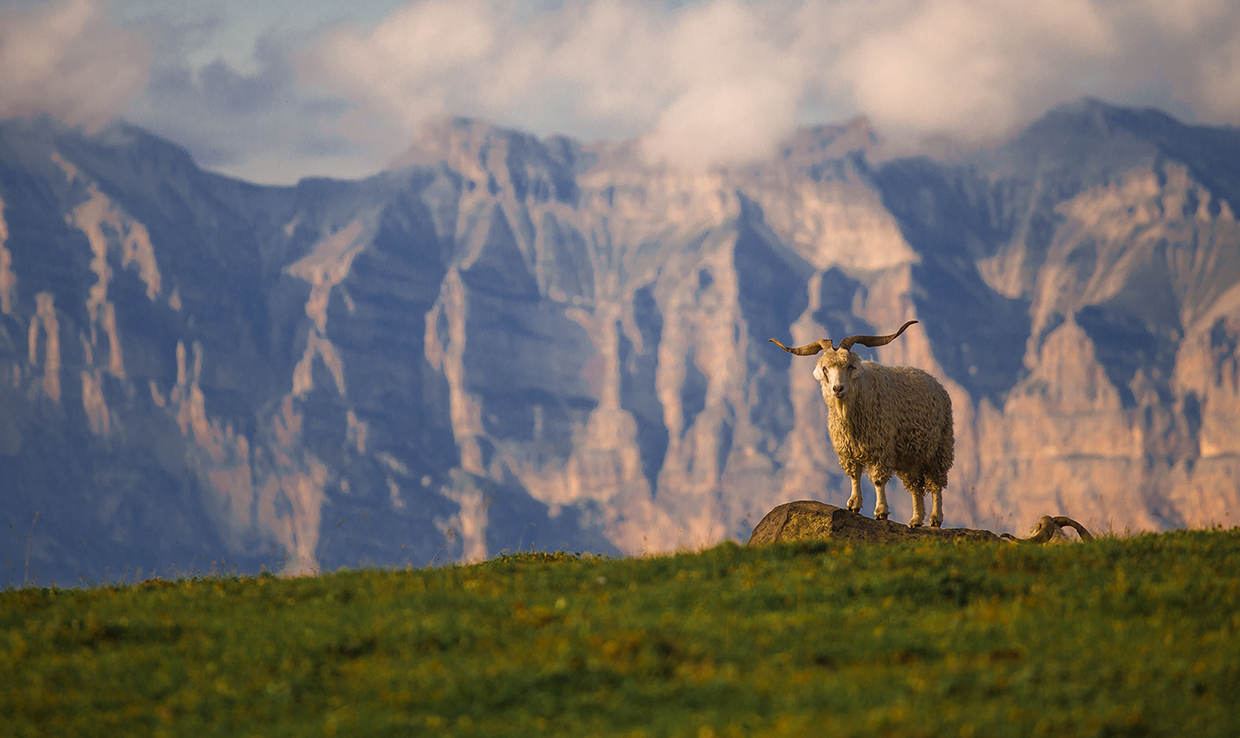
1118, 637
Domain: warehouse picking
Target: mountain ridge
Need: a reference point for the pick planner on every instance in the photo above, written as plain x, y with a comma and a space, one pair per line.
512, 341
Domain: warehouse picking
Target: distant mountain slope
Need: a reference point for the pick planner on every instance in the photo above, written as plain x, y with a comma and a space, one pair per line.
514, 342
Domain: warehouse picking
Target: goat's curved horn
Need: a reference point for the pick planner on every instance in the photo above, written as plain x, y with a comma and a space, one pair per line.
873, 341
1066, 522
808, 349
1046, 528
1042, 532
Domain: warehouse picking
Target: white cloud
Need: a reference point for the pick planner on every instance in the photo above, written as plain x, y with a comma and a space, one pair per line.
707, 81
425, 59
64, 58
715, 81
722, 80
969, 69
735, 86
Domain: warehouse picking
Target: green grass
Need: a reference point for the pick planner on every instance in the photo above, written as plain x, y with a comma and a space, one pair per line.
1119, 637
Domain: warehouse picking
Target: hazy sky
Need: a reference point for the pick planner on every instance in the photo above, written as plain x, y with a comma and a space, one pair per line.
272, 91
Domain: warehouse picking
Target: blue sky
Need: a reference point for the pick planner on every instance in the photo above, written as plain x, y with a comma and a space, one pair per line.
274, 91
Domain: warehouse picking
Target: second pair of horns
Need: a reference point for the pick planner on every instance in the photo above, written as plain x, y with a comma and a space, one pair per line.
872, 341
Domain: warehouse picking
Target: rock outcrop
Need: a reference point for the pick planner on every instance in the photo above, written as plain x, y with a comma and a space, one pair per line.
811, 520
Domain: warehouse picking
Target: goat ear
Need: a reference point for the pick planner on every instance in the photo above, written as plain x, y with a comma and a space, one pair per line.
818, 372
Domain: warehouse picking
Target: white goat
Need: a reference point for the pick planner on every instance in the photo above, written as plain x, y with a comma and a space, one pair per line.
885, 420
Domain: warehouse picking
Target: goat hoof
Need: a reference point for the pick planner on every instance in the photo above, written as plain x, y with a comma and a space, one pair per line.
936, 523
914, 524
880, 517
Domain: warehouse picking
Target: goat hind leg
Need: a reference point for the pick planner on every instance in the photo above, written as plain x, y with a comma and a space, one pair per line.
936, 512
919, 507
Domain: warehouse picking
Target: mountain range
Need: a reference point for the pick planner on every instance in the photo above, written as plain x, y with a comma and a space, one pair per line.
505, 342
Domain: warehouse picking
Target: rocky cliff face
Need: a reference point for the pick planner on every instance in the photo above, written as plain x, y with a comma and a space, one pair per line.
510, 341
1112, 232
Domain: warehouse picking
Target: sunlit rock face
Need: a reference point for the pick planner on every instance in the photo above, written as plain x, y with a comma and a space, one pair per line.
509, 342
1101, 257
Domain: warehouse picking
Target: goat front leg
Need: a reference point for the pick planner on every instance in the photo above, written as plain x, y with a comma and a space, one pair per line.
881, 511
881, 475
936, 512
854, 501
